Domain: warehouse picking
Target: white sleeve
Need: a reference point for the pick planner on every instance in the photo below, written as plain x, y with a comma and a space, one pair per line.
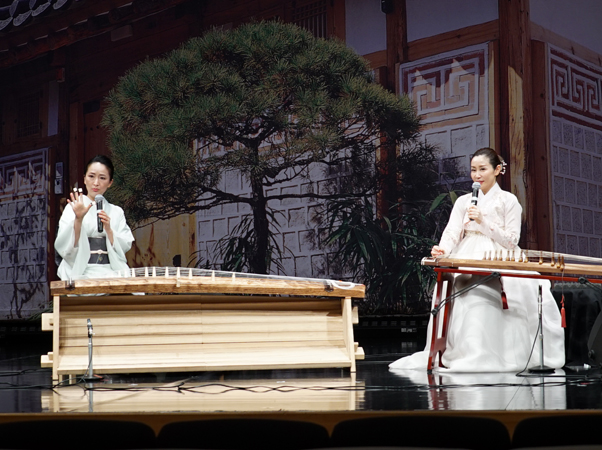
65, 237
75, 254
122, 239
455, 227
507, 235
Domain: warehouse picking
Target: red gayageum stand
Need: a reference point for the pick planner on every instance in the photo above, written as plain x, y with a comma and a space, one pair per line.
443, 306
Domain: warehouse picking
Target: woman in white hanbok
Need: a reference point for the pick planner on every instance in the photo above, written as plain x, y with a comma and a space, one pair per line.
85, 251
482, 336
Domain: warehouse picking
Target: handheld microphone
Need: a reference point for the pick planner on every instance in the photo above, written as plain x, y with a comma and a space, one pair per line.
475, 193
99, 202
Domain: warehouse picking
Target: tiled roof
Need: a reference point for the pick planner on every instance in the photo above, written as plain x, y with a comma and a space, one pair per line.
17, 13
29, 28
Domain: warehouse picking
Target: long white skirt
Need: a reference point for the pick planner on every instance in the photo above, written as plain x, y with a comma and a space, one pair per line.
483, 337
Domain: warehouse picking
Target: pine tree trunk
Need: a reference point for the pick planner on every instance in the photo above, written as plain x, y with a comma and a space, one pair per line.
258, 260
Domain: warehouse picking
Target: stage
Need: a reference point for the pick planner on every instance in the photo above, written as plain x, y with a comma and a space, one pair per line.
324, 396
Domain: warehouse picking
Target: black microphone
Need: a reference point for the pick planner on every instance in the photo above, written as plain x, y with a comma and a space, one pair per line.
475, 193
99, 201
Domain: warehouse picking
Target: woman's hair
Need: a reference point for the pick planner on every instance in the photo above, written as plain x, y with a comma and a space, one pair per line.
104, 160
494, 159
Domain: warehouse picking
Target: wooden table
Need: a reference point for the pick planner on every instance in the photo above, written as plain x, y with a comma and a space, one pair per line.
201, 324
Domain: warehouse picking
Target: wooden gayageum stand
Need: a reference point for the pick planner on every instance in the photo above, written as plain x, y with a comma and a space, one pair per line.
201, 323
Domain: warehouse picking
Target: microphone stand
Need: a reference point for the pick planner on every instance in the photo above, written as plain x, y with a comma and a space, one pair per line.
542, 368
89, 376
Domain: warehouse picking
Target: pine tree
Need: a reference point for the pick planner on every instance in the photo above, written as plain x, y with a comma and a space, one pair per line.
266, 99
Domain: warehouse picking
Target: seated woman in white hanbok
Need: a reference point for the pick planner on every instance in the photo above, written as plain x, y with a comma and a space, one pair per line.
482, 336
85, 251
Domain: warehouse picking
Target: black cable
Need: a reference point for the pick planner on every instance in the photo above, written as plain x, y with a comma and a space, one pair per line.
259, 389
491, 276
520, 374
22, 372
588, 283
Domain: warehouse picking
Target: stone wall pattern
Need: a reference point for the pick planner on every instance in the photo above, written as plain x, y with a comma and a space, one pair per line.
576, 153
300, 231
23, 234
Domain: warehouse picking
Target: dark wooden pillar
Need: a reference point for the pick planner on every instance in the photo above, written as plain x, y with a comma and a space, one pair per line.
541, 194
397, 40
397, 51
516, 109
336, 19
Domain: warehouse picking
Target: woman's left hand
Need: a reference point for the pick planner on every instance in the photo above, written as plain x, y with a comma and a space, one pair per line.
474, 213
105, 219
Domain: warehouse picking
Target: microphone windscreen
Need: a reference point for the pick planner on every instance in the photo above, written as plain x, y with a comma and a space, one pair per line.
99, 199
476, 186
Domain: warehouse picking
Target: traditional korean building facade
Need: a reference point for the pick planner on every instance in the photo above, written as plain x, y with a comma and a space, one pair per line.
521, 76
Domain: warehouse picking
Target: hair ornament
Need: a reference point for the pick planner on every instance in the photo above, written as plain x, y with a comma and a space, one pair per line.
503, 169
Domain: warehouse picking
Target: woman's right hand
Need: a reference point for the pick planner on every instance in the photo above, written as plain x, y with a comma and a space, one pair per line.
77, 203
437, 251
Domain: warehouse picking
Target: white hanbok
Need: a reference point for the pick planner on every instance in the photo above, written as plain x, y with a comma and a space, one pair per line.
77, 254
483, 337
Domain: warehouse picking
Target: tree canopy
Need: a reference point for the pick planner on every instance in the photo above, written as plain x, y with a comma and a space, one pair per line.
266, 99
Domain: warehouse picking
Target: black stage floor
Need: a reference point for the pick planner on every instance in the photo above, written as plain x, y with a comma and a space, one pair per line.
26, 388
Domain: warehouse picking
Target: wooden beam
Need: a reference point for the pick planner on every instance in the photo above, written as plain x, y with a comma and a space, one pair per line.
377, 61
515, 108
539, 33
453, 40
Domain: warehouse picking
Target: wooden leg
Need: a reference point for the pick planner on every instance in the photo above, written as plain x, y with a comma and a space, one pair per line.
348, 330
439, 342
56, 328
438, 398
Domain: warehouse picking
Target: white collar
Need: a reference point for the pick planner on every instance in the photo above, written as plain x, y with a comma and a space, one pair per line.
495, 188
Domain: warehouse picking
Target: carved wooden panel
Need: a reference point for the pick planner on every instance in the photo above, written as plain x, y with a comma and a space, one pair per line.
450, 92
575, 89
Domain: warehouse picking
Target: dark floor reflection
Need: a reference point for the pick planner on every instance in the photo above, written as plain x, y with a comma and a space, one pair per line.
22, 381
25, 387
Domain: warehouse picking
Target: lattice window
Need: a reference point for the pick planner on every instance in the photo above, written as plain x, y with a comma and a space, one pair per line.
28, 115
312, 17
